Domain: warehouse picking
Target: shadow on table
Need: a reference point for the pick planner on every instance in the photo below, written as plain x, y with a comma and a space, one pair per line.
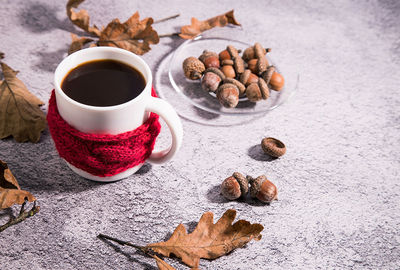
214, 195
50, 60
129, 256
256, 152
39, 17
39, 168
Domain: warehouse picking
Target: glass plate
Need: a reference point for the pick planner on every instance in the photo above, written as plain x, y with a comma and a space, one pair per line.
217, 40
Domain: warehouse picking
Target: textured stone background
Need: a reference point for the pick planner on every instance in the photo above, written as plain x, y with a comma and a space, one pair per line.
339, 204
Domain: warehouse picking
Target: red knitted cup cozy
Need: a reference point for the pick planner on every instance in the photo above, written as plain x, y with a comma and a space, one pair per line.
102, 154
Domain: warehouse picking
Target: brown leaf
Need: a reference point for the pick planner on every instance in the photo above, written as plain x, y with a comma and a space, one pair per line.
208, 240
197, 27
78, 43
10, 192
162, 265
9, 197
133, 35
81, 18
1, 55
20, 115
7, 179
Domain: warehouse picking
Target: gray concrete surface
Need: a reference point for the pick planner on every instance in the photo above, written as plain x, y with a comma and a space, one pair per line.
339, 204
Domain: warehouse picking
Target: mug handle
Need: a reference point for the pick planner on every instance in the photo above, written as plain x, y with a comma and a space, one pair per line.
165, 110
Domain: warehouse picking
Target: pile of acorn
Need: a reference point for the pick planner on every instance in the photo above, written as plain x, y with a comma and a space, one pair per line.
237, 186
231, 76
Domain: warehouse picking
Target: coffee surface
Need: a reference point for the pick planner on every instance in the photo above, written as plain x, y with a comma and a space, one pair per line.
103, 83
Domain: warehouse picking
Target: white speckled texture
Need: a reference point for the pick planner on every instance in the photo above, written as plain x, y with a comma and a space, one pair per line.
339, 203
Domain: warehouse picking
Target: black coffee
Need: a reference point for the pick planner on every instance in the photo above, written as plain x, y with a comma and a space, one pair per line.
103, 83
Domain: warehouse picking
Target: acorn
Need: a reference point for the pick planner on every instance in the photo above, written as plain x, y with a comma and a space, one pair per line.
238, 84
228, 71
210, 82
277, 81
228, 95
262, 189
248, 54
224, 55
211, 79
193, 68
247, 77
235, 186
209, 59
253, 92
252, 65
255, 52
258, 65
229, 53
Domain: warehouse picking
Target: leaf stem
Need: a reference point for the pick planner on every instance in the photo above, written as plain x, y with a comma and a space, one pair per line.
123, 243
167, 18
22, 216
22, 208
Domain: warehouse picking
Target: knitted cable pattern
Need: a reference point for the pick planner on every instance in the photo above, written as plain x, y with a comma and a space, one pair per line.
102, 154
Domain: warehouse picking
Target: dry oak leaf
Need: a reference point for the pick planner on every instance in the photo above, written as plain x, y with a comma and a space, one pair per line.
20, 115
78, 43
133, 35
10, 191
208, 240
197, 27
162, 265
81, 18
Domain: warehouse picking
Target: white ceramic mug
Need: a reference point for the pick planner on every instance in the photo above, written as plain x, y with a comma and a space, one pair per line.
119, 118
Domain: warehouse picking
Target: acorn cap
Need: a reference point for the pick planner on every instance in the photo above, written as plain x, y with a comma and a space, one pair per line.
232, 51
193, 68
244, 184
263, 88
238, 63
266, 75
273, 147
238, 84
245, 76
227, 62
259, 50
216, 71
262, 64
255, 184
